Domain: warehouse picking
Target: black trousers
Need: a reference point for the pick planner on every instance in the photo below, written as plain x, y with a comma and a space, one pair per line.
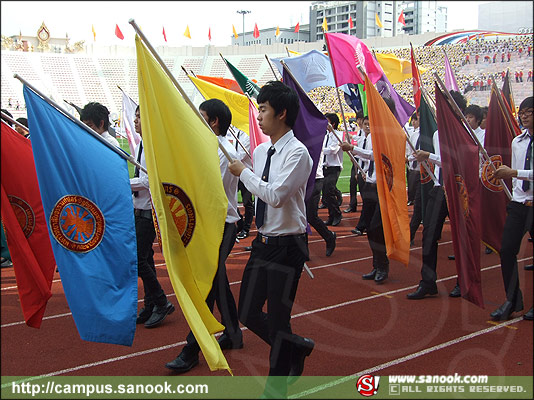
312, 207
362, 221
375, 231
417, 215
248, 203
353, 189
435, 214
145, 234
221, 294
414, 179
518, 222
271, 275
330, 191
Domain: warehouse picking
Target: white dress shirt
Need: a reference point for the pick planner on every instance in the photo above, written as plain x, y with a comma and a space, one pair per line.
140, 184
435, 158
283, 194
245, 141
110, 139
364, 150
414, 137
333, 154
519, 153
230, 181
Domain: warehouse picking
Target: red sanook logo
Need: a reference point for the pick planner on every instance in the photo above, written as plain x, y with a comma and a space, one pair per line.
367, 385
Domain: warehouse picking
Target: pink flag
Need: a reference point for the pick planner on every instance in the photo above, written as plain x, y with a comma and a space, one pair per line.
450, 79
257, 137
164, 35
347, 53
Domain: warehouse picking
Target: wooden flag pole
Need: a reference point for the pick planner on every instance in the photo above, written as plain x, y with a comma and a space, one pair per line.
503, 107
97, 136
287, 50
230, 127
459, 114
175, 82
272, 69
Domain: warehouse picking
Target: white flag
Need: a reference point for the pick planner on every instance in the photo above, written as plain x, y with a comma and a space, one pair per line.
127, 122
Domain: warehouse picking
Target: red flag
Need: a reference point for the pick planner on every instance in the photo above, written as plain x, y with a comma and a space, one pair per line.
460, 166
118, 32
25, 226
297, 27
351, 24
164, 35
256, 33
416, 81
209, 34
498, 144
401, 18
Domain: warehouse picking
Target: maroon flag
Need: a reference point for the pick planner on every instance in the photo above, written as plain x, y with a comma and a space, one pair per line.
498, 145
460, 166
25, 225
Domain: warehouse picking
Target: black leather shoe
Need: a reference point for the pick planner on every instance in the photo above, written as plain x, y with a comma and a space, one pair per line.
529, 316
331, 245
183, 363
528, 267
159, 314
349, 210
451, 257
381, 275
336, 220
300, 352
243, 234
144, 314
370, 275
357, 232
504, 312
421, 292
329, 222
455, 292
225, 343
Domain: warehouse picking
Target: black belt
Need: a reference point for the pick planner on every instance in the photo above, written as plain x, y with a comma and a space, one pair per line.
332, 167
280, 240
143, 213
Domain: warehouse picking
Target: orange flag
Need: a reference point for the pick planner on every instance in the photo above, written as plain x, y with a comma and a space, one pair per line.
389, 144
222, 82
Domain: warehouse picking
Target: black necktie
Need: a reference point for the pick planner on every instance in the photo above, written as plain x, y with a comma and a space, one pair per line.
414, 163
136, 172
260, 207
364, 143
326, 145
371, 168
236, 139
528, 159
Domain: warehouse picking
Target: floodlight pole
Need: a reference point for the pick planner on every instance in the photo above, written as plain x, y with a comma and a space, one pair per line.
243, 12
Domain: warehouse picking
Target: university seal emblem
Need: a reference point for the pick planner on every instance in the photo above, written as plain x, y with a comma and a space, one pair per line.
77, 223
388, 171
491, 184
425, 176
463, 194
182, 210
24, 214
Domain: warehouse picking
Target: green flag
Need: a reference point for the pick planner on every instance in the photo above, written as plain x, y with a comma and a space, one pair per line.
427, 127
246, 85
363, 98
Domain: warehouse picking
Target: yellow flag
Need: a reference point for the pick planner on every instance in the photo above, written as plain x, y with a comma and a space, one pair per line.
94, 33
378, 22
324, 25
396, 69
237, 103
294, 52
188, 195
277, 33
235, 32
187, 33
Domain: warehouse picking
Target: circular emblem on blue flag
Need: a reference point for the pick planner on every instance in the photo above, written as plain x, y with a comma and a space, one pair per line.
24, 214
463, 194
77, 223
491, 184
182, 211
388, 171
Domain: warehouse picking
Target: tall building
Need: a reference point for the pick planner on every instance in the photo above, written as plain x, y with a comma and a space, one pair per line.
424, 16
506, 16
268, 36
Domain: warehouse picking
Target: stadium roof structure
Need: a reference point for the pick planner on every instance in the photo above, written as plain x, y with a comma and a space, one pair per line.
465, 36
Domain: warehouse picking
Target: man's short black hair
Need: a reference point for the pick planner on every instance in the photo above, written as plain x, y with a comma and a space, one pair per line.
281, 97
216, 108
475, 111
459, 100
333, 119
527, 103
95, 112
414, 116
359, 114
366, 118
23, 121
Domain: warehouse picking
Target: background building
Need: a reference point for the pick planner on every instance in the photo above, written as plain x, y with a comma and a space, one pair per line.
268, 36
506, 16
424, 16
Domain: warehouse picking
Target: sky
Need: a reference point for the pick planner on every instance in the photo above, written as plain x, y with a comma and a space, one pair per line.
76, 19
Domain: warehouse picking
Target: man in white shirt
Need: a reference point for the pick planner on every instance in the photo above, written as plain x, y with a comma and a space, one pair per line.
156, 307
96, 117
519, 212
414, 179
354, 183
243, 225
281, 170
332, 166
218, 116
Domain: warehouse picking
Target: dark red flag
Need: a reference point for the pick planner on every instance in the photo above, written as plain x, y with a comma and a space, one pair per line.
498, 145
256, 33
25, 225
118, 32
416, 81
460, 166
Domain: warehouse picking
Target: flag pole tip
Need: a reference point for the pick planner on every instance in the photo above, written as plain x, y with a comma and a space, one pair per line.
131, 21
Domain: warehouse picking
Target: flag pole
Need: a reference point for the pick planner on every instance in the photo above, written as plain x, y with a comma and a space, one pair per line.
230, 127
502, 106
174, 81
287, 50
7, 117
351, 156
272, 69
96, 135
459, 114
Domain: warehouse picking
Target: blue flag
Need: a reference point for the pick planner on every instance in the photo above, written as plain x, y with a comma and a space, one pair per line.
87, 201
309, 128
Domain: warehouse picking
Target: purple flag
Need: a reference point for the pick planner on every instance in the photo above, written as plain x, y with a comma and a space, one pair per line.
403, 109
309, 128
450, 79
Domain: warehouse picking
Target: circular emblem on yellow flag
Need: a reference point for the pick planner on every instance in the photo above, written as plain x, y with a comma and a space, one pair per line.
182, 211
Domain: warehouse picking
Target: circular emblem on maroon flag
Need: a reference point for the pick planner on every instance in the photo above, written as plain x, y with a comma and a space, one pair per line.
387, 167
182, 211
425, 176
463, 194
77, 223
491, 184
24, 214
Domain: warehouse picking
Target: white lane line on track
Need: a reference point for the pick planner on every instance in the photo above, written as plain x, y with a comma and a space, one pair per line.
382, 366
405, 358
